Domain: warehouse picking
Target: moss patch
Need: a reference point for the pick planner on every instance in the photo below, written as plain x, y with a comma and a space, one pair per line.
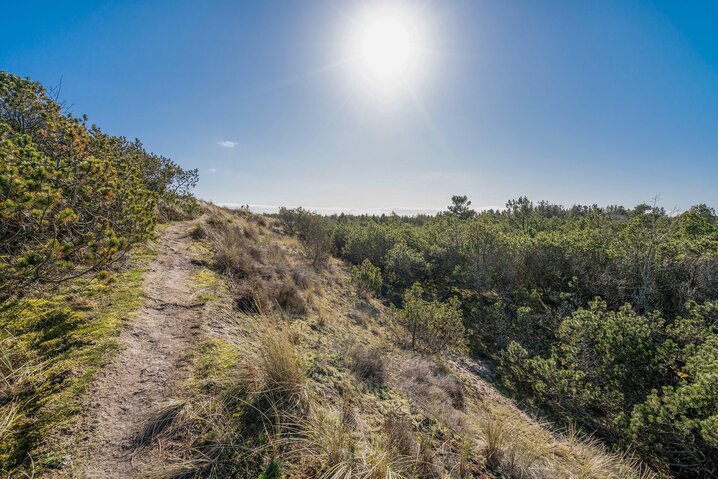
215, 366
209, 284
52, 348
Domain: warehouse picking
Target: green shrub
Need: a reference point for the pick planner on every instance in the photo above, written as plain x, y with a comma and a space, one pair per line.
72, 200
366, 278
433, 326
632, 378
405, 266
296, 221
317, 240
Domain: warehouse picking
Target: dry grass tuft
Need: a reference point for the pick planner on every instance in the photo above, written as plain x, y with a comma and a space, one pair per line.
282, 372
427, 462
429, 383
252, 296
198, 232
516, 448
592, 459
160, 419
465, 466
495, 435
182, 470
332, 444
9, 414
231, 253
368, 365
509, 454
290, 299
399, 434
304, 278
177, 210
18, 369
259, 272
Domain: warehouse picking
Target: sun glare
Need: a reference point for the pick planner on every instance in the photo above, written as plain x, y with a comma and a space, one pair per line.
388, 48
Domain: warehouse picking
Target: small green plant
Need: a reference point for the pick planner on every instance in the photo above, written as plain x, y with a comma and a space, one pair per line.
366, 278
317, 241
432, 325
272, 471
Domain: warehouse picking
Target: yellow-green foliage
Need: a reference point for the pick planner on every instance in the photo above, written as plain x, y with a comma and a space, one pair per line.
216, 365
432, 325
52, 348
367, 278
72, 199
208, 282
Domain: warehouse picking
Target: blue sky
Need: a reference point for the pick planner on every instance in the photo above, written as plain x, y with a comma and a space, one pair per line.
573, 102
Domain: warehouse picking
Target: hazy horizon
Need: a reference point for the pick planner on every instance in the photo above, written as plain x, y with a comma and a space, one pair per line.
411, 210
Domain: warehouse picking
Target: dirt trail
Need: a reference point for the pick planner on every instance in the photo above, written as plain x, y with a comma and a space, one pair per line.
156, 348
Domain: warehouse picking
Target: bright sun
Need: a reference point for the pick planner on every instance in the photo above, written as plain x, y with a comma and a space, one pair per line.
388, 47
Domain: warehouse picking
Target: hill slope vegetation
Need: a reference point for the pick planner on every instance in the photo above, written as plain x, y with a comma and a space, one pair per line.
532, 342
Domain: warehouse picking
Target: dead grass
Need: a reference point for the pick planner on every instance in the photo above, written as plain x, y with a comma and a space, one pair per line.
513, 452
430, 383
9, 414
198, 232
176, 210
289, 298
232, 254
304, 278
368, 365
282, 372
163, 417
262, 277
18, 369
400, 437
516, 448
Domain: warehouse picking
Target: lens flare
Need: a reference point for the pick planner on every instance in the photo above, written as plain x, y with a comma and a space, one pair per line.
387, 48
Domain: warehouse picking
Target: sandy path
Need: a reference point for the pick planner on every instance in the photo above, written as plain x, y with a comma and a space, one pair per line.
154, 358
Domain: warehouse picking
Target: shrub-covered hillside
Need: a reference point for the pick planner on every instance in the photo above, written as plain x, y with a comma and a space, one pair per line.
303, 372
74, 201
602, 317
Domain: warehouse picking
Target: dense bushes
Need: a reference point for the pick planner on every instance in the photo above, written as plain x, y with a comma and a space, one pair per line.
72, 199
316, 241
600, 316
73, 202
634, 377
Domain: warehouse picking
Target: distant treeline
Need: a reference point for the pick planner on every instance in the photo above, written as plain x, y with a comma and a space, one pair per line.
72, 198
602, 317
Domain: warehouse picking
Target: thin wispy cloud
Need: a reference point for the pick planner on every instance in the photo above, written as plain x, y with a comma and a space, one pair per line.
212, 170
227, 143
